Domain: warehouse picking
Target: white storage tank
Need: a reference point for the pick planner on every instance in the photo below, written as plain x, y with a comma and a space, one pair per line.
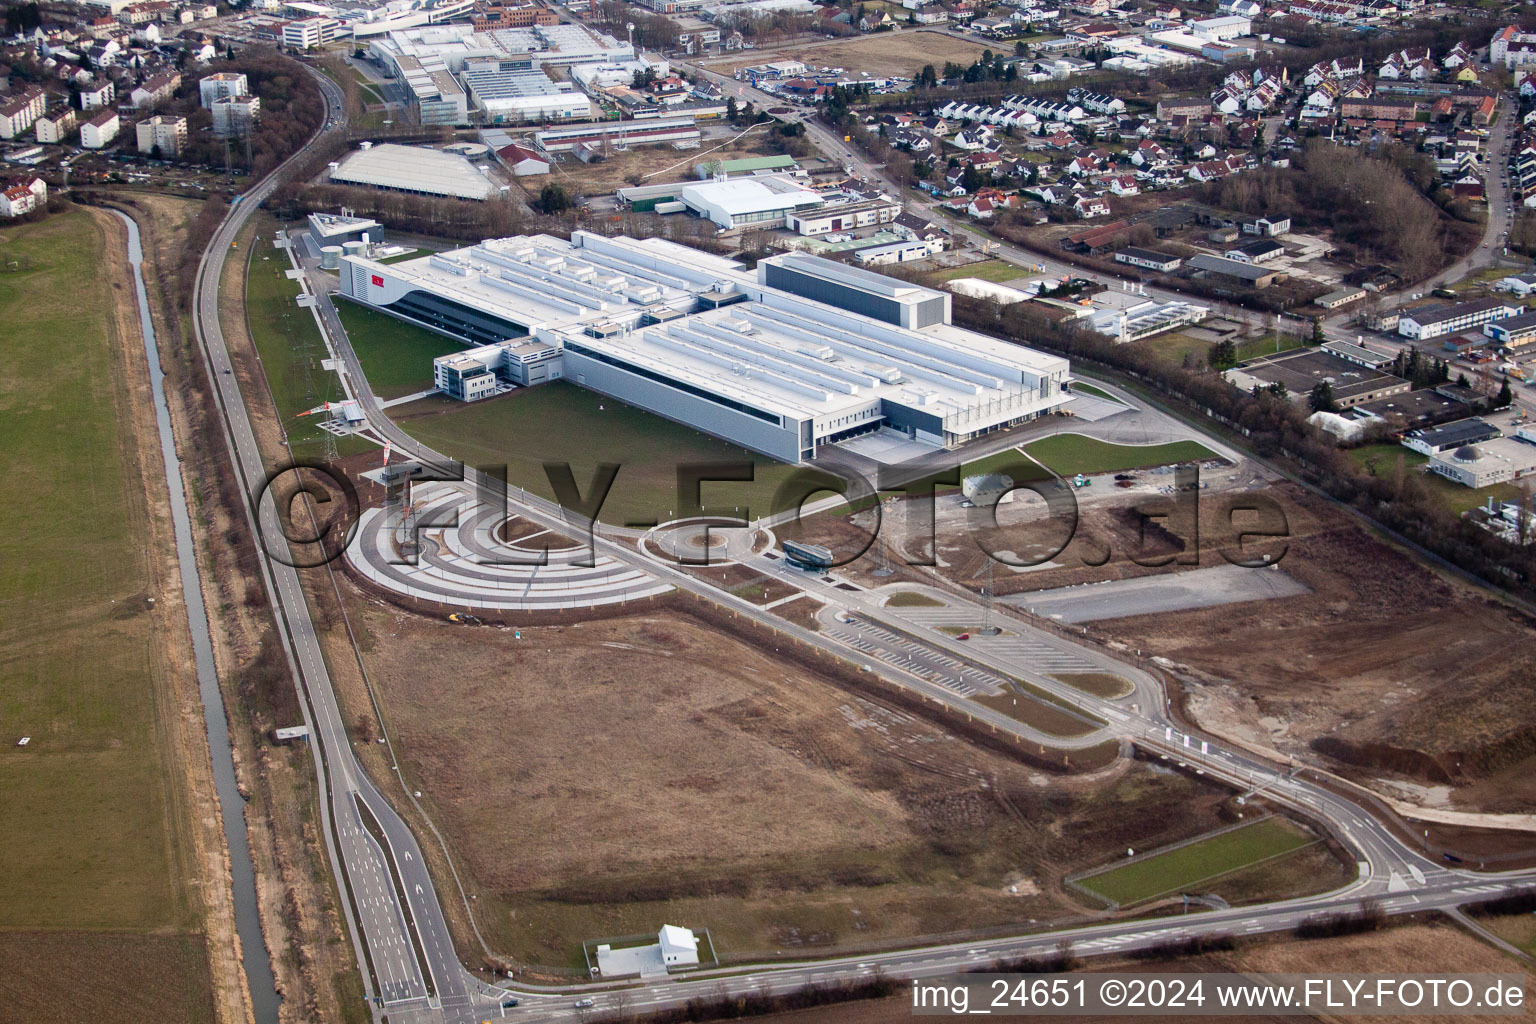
359, 249
330, 257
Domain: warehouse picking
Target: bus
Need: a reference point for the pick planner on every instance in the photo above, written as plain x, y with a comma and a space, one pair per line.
811, 557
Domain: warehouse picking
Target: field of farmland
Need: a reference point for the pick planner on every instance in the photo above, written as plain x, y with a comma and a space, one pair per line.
885, 53
98, 835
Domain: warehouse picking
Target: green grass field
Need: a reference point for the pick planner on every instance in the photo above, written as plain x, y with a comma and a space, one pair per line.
99, 913
560, 422
988, 270
1078, 387
88, 808
396, 356
1383, 460
290, 346
1192, 867
1070, 454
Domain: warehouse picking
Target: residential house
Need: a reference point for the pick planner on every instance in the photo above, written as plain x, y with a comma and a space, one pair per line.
20, 110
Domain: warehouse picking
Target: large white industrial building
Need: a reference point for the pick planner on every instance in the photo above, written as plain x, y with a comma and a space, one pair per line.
413, 169
804, 352
429, 61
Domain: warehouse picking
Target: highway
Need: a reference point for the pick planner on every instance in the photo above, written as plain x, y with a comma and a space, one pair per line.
399, 933
400, 936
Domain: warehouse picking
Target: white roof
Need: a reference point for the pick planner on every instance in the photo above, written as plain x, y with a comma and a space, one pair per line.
415, 169
673, 937
749, 195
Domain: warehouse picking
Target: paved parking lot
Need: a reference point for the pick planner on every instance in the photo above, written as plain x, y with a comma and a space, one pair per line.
1167, 592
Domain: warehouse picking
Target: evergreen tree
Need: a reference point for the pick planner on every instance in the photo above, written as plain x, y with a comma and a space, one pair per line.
1321, 398
1506, 396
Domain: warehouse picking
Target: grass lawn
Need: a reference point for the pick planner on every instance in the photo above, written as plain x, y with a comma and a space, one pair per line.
1100, 684
1187, 868
1070, 454
290, 346
396, 356
1385, 456
1265, 345
91, 807
1516, 929
912, 599
560, 422
1171, 347
1089, 389
987, 270
1049, 719
1452, 495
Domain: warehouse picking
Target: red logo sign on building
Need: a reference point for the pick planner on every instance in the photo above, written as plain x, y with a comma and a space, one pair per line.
378, 282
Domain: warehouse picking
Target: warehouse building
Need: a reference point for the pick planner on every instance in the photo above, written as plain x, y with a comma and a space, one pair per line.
764, 202
1450, 436
1513, 332
1299, 372
413, 169
804, 353
1433, 321
520, 95
1231, 271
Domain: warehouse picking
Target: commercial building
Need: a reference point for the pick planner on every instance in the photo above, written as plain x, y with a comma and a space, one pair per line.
216, 87
1150, 259
1495, 461
764, 202
162, 134
234, 115
1146, 319
843, 216
1434, 440
99, 129
413, 169
1433, 321
905, 251
1299, 372
781, 164
1354, 352
308, 33
1514, 332
618, 135
804, 353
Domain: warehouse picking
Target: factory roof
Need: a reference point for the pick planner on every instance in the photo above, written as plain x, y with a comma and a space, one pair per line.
414, 169
750, 195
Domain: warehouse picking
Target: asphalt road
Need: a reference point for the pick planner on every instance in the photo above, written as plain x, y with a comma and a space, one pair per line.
399, 933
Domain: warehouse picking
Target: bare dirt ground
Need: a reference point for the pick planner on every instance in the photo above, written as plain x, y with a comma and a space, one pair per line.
597, 779
887, 53
647, 164
1387, 666
311, 959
